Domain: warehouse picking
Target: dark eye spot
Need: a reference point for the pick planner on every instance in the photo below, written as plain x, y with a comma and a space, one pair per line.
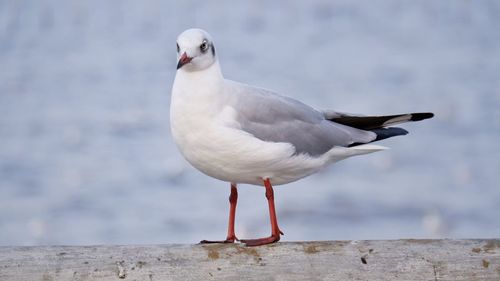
204, 46
178, 48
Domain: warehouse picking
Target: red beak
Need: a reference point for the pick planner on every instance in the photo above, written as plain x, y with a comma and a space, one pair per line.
183, 60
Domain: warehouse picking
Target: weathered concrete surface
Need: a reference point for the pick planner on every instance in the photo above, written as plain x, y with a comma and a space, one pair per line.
329, 260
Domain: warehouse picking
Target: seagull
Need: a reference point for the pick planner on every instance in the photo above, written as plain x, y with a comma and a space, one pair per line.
243, 134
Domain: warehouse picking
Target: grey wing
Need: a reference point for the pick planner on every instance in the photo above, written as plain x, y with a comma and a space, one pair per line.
271, 117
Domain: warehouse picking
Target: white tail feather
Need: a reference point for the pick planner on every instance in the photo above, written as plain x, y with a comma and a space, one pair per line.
339, 153
369, 148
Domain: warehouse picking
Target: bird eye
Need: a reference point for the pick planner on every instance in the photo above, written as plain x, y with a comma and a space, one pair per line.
204, 46
178, 48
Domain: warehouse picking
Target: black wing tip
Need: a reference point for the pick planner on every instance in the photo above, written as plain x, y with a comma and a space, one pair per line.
421, 116
385, 133
390, 132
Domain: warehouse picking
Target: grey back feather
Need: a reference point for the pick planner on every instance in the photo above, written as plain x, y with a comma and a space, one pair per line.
274, 118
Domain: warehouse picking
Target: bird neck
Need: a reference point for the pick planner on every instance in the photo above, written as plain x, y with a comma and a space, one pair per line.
205, 77
204, 85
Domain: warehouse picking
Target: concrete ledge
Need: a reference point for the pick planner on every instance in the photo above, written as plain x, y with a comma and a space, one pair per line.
328, 260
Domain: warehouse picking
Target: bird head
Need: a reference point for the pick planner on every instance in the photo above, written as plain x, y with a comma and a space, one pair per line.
195, 50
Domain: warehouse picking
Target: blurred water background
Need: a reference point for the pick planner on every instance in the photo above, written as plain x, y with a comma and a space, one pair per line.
86, 155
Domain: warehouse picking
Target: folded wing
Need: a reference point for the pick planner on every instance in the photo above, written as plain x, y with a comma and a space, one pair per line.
274, 118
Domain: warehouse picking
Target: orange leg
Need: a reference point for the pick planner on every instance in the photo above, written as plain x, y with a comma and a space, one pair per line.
233, 199
275, 230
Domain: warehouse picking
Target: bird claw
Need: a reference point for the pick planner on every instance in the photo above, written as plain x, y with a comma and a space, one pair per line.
261, 241
227, 241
